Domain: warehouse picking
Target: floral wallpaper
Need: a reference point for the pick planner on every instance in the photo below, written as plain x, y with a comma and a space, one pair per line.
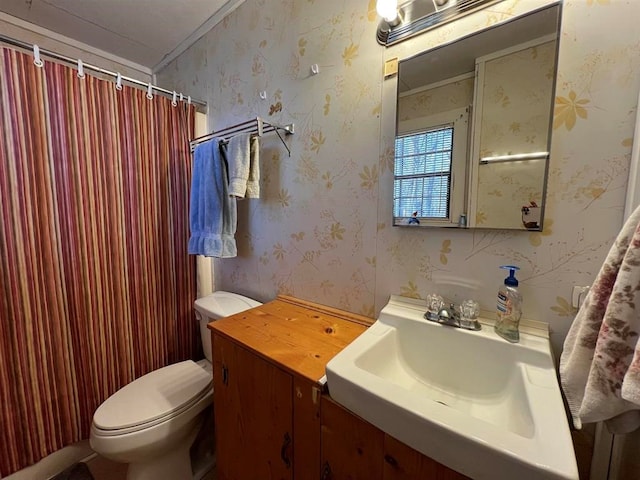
431, 101
504, 188
516, 95
322, 228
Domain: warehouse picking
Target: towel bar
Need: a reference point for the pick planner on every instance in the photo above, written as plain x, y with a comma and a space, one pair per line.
256, 126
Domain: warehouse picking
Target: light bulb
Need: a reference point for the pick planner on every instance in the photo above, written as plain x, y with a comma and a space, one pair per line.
387, 9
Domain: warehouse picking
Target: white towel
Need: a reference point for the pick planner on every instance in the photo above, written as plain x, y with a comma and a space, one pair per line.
244, 169
253, 182
600, 362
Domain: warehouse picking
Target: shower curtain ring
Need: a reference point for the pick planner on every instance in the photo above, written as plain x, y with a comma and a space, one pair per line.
80, 69
36, 56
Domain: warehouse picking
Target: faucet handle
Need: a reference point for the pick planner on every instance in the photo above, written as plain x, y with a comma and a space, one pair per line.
469, 311
434, 304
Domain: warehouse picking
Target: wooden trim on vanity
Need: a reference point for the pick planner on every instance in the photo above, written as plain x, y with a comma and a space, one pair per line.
352, 317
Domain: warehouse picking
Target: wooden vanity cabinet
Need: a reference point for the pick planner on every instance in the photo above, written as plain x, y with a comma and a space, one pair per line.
271, 419
267, 366
354, 449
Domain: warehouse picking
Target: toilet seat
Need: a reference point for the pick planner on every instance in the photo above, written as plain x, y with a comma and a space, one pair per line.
153, 398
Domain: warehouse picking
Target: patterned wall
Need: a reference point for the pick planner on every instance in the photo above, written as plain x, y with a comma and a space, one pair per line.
322, 229
516, 94
443, 98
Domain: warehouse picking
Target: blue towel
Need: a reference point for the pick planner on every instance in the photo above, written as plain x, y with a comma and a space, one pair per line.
212, 215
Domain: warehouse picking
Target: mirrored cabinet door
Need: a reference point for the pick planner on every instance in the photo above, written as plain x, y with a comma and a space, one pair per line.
473, 123
514, 94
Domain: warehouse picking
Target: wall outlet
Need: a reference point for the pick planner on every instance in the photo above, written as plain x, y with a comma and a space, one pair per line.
578, 294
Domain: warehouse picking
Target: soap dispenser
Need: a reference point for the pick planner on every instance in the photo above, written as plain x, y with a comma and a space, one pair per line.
509, 307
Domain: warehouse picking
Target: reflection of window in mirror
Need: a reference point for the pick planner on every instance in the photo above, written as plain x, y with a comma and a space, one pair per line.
430, 163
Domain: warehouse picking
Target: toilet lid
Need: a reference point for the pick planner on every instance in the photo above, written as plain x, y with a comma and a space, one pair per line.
156, 395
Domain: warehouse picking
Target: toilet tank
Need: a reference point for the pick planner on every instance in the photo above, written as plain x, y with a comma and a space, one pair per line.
218, 305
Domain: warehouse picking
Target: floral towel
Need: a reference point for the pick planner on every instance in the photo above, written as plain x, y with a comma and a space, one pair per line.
600, 362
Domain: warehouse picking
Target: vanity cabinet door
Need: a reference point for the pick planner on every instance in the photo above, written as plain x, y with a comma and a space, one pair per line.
252, 411
352, 449
306, 429
402, 462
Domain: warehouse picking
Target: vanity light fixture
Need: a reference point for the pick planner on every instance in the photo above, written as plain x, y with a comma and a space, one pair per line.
440, 4
391, 17
416, 16
515, 157
388, 9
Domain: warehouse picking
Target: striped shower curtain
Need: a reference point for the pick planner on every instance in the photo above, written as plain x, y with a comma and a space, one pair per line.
96, 284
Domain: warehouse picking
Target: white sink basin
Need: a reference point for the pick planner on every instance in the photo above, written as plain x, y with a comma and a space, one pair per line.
468, 399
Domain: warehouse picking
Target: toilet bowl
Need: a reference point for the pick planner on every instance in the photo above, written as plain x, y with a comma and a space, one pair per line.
152, 422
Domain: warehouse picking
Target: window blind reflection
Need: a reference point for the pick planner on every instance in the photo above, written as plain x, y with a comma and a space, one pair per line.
422, 172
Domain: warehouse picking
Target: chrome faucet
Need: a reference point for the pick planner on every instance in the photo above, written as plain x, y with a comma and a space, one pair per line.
452, 317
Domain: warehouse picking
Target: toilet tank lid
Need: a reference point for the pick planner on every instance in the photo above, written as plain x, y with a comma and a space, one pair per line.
223, 304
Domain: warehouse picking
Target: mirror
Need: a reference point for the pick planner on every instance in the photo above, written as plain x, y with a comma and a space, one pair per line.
473, 127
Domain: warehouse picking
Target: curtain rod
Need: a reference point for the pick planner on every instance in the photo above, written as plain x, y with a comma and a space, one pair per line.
56, 56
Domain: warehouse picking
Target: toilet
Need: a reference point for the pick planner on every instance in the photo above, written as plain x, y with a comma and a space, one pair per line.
152, 422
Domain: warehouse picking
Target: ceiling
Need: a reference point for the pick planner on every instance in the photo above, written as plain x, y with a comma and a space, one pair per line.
148, 32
